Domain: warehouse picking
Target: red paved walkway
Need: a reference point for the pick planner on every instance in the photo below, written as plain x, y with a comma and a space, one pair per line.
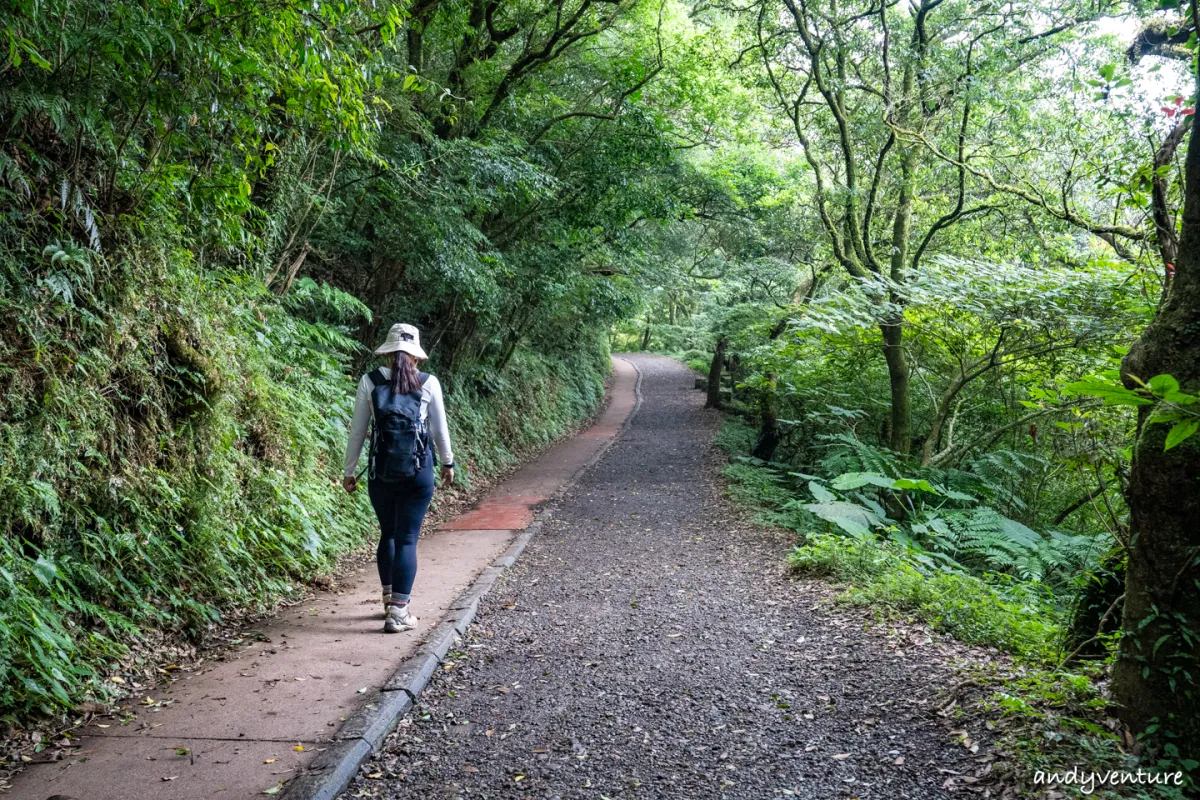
243, 725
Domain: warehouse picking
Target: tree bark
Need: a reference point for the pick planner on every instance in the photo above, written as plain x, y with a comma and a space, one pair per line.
900, 425
714, 376
1088, 620
735, 368
768, 434
893, 329
416, 58
1155, 677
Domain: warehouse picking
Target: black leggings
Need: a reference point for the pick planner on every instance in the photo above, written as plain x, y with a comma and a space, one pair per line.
401, 508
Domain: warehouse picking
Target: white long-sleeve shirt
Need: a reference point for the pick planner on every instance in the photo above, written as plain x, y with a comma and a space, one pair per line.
432, 408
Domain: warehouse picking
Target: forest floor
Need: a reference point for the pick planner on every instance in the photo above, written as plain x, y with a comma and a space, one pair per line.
649, 643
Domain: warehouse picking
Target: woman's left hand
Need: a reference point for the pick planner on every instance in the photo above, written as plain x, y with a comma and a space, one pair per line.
447, 476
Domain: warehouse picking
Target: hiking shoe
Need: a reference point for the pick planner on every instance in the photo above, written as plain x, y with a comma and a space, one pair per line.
398, 619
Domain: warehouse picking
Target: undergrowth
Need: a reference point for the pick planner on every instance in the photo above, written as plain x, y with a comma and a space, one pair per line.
1059, 720
968, 608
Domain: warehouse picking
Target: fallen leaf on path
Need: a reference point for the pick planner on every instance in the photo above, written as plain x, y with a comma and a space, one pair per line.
173, 777
274, 789
299, 748
270, 761
841, 756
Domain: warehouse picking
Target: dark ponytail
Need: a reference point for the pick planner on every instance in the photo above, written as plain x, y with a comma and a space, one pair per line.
405, 379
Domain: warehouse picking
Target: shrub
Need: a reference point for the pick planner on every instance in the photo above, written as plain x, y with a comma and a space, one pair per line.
964, 606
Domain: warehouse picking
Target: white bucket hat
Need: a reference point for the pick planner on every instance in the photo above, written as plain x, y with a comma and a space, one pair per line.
404, 338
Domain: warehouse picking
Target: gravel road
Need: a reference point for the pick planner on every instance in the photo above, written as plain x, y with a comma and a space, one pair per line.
649, 644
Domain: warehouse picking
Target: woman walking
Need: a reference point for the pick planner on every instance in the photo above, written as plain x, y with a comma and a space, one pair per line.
407, 412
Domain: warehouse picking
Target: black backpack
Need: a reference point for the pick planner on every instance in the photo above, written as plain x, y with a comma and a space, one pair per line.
400, 440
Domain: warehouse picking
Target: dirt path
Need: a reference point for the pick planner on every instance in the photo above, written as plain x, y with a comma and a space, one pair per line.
649, 645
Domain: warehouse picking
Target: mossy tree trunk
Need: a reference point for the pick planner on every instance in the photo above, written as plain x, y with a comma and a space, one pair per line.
714, 375
1156, 678
768, 432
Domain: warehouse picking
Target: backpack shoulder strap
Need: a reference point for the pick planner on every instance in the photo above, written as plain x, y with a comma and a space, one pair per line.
377, 377
424, 378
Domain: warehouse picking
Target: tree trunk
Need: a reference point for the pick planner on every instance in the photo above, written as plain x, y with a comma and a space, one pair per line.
646, 338
734, 364
714, 376
508, 353
900, 426
893, 329
416, 58
768, 434
779, 327
1155, 677
1097, 609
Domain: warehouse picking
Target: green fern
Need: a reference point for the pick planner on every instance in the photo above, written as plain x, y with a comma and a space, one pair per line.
846, 453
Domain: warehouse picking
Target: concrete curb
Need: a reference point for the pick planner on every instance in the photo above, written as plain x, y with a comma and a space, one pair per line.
330, 772
375, 720
364, 732
637, 393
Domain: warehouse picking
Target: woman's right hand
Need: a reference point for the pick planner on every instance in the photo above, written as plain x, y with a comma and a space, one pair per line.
350, 483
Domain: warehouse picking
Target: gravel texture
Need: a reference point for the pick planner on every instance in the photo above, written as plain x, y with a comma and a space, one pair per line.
648, 643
